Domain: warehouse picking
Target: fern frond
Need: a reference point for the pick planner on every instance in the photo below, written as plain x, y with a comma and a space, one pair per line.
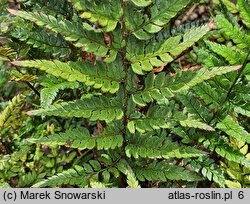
109, 139
240, 38
209, 170
145, 58
48, 42
76, 138
100, 76
161, 117
233, 56
208, 94
147, 146
161, 12
71, 31
194, 123
10, 113
28, 179
208, 58
242, 111
194, 107
24, 149
181, 29
96, 12
229, 5
6, 53
4, 185
229, 126
244, 7
95, 108
221, 147
6, 161
126, 169
49, 93
163, 86
164, 171
81, 139
78, 175
74, 176
155, 119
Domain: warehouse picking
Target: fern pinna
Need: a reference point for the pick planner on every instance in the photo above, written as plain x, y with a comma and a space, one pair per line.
131, 111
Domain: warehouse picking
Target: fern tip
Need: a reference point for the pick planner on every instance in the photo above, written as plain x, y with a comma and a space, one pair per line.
211, 24
16, 63
237, 67
29, 113
12, 11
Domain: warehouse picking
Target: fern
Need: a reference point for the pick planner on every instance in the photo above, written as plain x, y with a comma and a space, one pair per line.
126, 98
234, 32
220, 146
232, 56
209, 170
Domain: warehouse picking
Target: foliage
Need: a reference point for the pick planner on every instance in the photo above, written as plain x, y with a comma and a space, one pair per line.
122, 98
